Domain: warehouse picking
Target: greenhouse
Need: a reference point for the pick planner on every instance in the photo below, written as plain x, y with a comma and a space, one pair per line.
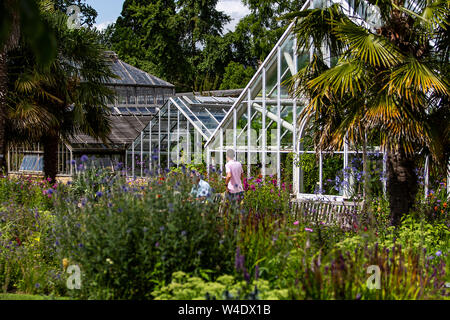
138, 96
265, 128
177, 133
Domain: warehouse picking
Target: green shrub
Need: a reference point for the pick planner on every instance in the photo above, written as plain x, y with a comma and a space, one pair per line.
134, 236
225, 287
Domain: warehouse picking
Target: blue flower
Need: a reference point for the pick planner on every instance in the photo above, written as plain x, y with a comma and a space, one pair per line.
438, 253
73, 162
161, 228
99, 194
37, 285
84, 158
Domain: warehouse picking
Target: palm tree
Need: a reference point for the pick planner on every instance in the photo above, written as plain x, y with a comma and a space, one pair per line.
386, 80
58, 101
20, 18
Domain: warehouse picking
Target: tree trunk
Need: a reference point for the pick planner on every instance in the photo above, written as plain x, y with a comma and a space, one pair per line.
401, 183
3, 94
50, 143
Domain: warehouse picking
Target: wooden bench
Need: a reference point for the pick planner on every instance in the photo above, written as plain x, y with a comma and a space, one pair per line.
326, 211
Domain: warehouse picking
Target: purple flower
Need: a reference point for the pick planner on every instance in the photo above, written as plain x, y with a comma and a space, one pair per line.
99, 194
438, 253
246, 276
84, 158
157, 244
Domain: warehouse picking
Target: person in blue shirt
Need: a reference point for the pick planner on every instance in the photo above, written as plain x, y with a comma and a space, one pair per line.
201, 189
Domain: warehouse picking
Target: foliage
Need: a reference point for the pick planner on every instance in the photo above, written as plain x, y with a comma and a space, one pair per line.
236, 76
26, 191
27, 261
147, 238
138, 233
183, 287
263, 195
384, 88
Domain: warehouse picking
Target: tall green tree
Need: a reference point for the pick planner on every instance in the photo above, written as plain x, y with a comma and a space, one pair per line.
18, 19
389, 80
70, 96
258, 32
149, 35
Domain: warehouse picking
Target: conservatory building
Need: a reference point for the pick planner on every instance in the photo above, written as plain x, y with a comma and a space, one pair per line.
263, 125
139, 96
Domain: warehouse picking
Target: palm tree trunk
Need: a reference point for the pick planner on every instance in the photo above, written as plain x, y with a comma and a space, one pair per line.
401, 183
50, 143
3, 94
11, 43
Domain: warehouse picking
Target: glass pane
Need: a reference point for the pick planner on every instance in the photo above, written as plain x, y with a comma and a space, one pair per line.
150, 99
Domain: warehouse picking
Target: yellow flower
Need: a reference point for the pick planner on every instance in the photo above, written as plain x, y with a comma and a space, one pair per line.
65, 263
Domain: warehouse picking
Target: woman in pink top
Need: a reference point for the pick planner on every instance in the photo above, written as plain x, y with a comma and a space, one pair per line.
235, 175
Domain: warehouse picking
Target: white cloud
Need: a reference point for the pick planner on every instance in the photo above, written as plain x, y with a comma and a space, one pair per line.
102, 26
235, 9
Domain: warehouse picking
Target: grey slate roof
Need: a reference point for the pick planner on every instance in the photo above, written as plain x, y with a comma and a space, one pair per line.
124, 129
130, 75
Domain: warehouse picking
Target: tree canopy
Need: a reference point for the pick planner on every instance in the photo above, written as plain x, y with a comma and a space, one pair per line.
184, 42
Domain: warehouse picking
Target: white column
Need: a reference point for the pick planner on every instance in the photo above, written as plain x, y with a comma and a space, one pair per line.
168, 135
263, 116
132, 159
249, 127
234, 131
188, 143
159, 139
150, 167
142, 153
320, 172
278, 115
295, 172
178, 138
221, 150
346, 180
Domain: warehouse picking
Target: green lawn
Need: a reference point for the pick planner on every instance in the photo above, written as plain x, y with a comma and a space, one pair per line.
16, 296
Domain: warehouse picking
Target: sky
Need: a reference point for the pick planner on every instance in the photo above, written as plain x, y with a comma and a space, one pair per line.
109, 10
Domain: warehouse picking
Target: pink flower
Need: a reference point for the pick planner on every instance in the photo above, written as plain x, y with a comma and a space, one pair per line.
309, 229
296, 223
